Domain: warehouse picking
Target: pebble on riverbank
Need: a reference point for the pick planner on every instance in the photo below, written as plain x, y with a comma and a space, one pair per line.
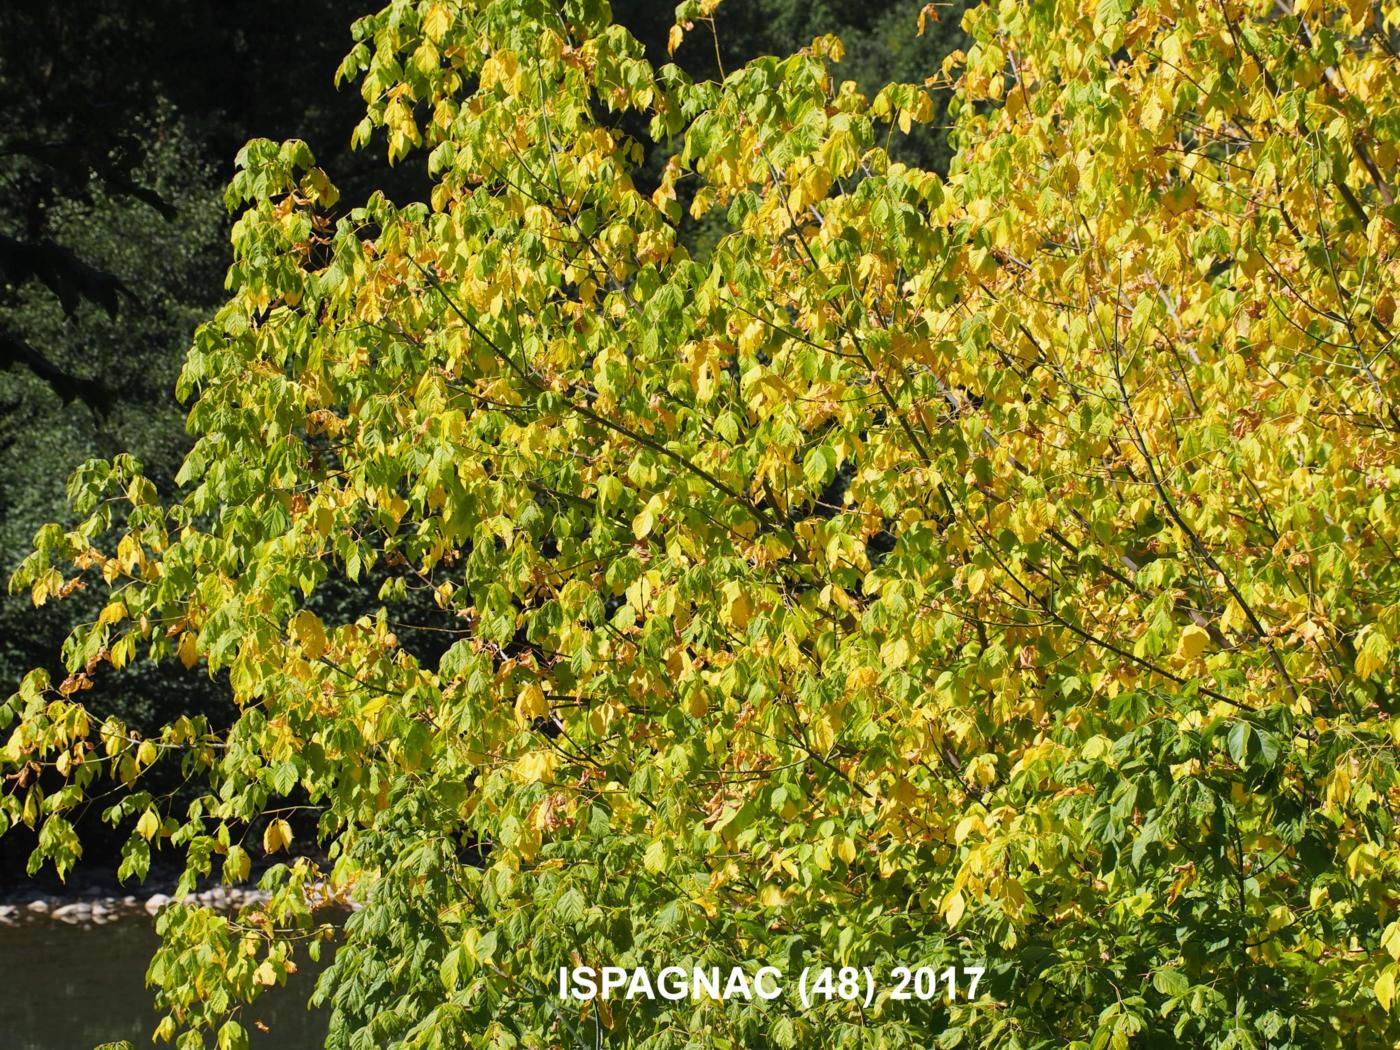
97, 911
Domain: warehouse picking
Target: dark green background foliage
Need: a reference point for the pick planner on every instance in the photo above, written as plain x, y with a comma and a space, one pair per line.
882, 46
119, 121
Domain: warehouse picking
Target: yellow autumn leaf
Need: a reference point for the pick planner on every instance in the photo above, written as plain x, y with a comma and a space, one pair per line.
862, 677
1385, 988
1193, 642
536, 766
531, 703
305, 627
437, 22
149, 825
929, 12
113, 612
895, 652
1390, 940
738, 608
277, 835
654, 859
953, 908
1372, 652
188, 651
238, 864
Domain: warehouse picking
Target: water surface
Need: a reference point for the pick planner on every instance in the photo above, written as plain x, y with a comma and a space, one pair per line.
74, 987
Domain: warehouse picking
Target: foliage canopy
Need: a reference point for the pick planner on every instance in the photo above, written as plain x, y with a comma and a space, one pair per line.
993, 567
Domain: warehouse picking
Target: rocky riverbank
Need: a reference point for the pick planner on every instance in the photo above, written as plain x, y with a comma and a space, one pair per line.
97, 905
97, 909
92, 896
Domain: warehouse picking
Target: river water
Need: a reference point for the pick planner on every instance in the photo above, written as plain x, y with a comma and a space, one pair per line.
74, 987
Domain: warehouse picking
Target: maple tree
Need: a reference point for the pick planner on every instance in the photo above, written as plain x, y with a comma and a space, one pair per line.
993, 567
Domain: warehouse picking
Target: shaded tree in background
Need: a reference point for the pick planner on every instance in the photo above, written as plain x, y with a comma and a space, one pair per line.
118, 124
79, 87
881, 43
171, 267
